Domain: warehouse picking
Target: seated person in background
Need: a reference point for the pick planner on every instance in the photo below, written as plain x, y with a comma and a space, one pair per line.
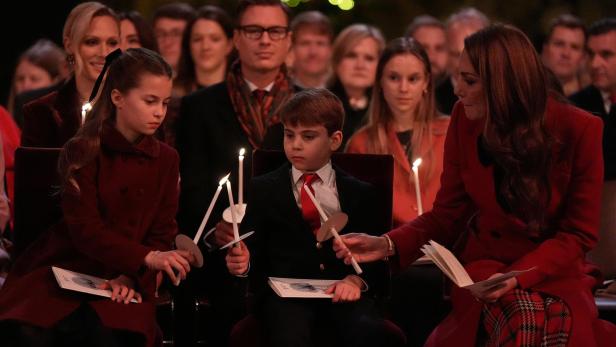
285, 222
136, 32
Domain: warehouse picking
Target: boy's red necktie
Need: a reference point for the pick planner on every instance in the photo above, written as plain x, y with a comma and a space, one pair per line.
309, 210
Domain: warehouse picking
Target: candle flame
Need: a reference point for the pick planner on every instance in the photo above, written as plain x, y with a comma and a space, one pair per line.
417, 162
224, 179
242, 151
85, 108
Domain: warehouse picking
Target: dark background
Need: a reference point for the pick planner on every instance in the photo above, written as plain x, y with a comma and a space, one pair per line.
23, 22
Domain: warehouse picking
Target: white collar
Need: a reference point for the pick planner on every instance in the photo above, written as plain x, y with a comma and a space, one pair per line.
324, 173
254, 87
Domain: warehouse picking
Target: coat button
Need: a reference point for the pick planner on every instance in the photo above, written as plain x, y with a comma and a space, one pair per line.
495, 234
322, 267
319, 245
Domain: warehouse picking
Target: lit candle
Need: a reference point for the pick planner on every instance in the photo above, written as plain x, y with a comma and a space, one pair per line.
241, 177
210, 208
334, 232
85, 108
416, 164
236, 232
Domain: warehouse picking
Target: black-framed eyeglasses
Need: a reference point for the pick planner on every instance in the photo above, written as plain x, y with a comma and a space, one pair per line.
254, 32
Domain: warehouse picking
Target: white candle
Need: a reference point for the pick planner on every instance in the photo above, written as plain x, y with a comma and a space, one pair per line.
236, 232
85, 108
241, 177
210, 208
416, 164
334, 232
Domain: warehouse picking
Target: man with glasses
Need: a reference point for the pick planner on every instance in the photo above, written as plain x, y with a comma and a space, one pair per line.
169, 23
214, 123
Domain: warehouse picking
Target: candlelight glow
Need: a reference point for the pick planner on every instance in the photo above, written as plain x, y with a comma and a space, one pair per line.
417, 162
224, 179
242, 151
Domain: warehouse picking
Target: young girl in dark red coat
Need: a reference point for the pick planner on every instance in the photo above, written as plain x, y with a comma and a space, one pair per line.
119, 200
531, 167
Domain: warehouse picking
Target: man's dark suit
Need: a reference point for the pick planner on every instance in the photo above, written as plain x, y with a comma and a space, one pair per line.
284, 246
591, 100
209, 137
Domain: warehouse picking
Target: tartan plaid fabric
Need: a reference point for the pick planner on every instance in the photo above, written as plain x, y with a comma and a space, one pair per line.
523, 319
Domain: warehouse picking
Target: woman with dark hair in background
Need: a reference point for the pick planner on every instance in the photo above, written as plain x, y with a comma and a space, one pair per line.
531, 167
136, 32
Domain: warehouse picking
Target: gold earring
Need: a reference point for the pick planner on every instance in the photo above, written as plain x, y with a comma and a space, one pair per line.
70, 59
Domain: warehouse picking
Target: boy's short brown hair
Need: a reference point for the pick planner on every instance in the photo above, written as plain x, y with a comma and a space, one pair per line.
315, 106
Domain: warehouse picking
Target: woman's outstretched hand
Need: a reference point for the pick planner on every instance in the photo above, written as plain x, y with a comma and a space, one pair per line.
363, 247
176, 264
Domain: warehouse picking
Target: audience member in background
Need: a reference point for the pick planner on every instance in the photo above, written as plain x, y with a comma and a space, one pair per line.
354, 58
206, 46
206, 49
311, 50
403, 121
564, 52
136, 32
169, 23
459, 25
91, 31
217, 121
600, 97
431, 35
41, 67
529, 165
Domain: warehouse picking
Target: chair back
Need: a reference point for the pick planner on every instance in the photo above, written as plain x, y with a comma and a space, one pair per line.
604, 255
37, 198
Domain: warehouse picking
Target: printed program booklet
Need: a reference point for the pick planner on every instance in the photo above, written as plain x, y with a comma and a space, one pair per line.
452, 268
300, 287
81, 282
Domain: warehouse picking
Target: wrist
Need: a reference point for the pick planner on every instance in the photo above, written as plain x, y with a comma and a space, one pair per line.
388, 247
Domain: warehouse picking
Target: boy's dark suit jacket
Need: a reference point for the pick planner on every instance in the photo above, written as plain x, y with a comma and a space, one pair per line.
590, 99
283, 244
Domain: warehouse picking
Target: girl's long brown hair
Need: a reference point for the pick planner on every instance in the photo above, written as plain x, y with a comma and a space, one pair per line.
516, 94
124, 74
380, 117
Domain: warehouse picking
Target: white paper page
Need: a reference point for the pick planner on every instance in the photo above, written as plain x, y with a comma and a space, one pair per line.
300, 287
80, 282
463, 279
484, 285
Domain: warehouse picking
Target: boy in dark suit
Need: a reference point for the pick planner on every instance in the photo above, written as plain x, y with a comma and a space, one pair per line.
285, 221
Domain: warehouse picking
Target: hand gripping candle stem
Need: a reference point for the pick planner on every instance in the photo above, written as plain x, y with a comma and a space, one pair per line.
210, 208
334, 232
416, 164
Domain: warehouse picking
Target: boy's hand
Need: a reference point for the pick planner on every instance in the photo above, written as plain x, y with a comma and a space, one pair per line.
122, 289
237, 259
346, 290
223, 233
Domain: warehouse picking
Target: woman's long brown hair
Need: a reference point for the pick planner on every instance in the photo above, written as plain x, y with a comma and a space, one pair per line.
124, 74
516, 94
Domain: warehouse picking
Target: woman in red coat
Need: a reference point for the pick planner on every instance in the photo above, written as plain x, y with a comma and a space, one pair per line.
532, 168
119, 200
403, 121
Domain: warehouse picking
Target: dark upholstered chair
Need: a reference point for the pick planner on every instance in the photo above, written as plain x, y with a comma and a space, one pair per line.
374, 169
37, 198
604, 255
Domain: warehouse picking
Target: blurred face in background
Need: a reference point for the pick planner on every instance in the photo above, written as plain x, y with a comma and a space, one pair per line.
29, 76
357, 69
129, 38
312, 52
434, 40
563, 52
168, 33
602, 60
209, 46
456, 33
